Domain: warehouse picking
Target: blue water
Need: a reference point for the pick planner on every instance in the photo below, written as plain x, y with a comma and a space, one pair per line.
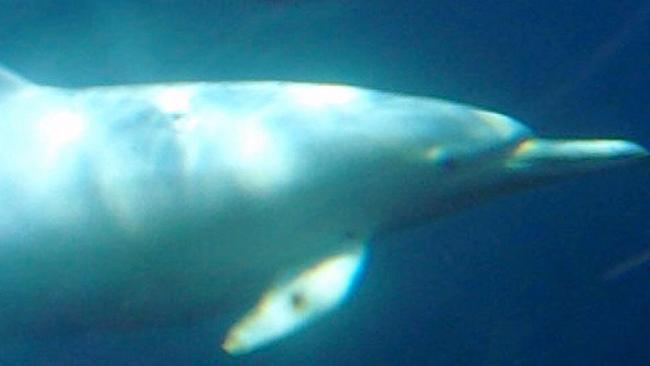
519, 281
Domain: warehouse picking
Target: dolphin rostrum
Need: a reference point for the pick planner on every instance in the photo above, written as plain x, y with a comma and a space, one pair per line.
153, 205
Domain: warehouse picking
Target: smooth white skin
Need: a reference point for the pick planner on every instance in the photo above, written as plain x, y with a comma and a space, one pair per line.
136, 206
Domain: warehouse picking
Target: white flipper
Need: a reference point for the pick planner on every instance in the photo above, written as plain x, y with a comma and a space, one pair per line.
287, 307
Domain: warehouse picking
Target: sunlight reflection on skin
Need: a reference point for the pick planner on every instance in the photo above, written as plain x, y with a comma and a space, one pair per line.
174, 99
323, 95
59, 129
259, 157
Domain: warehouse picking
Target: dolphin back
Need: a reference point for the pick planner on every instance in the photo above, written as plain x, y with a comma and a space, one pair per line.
11, 82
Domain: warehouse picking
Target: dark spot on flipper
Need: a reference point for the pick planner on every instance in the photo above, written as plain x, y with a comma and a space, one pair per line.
298, 301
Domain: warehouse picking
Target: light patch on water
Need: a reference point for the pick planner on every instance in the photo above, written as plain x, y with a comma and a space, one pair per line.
628, 265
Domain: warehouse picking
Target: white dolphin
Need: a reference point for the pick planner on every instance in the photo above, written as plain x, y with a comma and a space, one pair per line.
149, 205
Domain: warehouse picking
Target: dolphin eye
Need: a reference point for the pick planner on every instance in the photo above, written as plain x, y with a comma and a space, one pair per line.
448, 164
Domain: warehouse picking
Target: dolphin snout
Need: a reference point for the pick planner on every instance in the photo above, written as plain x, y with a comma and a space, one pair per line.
558, 157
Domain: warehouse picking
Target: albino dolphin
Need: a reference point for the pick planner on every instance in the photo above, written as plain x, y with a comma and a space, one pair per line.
153, 205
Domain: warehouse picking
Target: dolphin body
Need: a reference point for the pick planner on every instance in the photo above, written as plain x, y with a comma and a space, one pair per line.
153, 205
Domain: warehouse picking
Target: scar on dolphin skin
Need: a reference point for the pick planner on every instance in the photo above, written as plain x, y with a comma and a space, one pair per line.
627, 266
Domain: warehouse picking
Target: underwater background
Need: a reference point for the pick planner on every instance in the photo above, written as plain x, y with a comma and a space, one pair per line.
555, 276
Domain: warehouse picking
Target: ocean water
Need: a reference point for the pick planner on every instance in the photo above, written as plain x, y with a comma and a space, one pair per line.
555, 276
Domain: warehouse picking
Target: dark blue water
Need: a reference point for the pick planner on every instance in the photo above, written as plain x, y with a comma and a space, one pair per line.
520, 281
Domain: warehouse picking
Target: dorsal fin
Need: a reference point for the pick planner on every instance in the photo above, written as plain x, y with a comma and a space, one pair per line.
10, 81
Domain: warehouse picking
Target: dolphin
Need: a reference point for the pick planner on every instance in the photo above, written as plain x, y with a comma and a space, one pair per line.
138, 206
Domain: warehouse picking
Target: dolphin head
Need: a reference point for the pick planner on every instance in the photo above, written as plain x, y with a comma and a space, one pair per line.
453, 156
